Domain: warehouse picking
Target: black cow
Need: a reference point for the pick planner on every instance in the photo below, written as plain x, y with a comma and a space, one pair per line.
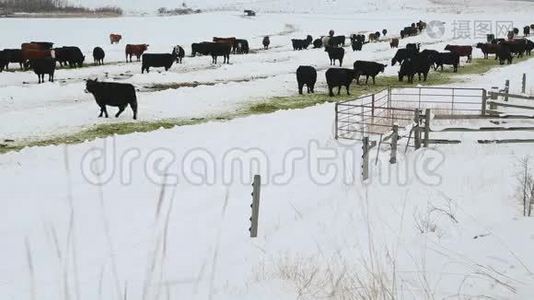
357, 45
318, 43
337, 41
98, 55
384, 32
367, 68
338, 77
201, 48
44, 66
517, 47
335, 54
266, 42
402, 54
220, 49
418, 64
526, 30
421, 25
430, 54
377, 35
4, 60
446, 58
306, 75
302, 44
14, 56
358, 37
71, 55
488, 48
113, 94
179, 52
159, 60
409, 31
241, 46
414, 46
504, 54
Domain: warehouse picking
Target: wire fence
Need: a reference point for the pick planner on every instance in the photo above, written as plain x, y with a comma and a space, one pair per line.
443, 101
376, 114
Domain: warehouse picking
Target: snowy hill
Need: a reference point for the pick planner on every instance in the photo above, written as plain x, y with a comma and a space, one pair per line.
309, 6
343, 6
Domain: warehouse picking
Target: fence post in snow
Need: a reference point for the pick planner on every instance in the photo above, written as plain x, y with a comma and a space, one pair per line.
373, 107
365, 158
394, 139
506, 89
494, 95
427, 127
524, 83
484, 102
255, 206
417, 129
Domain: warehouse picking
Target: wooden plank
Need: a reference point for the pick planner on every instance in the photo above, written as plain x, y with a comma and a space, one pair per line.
511, 105
507, 141
462, 129
444, 142
516, 96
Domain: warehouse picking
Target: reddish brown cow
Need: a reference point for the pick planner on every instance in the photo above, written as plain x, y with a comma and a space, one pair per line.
115, 38
488, 48
394, 43
231, 41
461, 51
32, 54
35, 46
136, 50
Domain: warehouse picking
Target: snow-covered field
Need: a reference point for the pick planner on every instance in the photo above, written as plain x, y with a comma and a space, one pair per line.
165, 214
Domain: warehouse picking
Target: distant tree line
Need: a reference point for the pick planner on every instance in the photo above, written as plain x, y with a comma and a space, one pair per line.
184, 10
36, 6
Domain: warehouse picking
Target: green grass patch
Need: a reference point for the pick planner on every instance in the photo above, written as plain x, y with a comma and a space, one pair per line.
478, 66
101, 131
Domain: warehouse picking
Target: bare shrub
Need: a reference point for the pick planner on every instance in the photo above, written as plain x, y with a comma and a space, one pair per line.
525, 187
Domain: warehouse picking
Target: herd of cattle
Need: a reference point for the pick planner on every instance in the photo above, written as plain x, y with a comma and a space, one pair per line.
42, 58
412, 60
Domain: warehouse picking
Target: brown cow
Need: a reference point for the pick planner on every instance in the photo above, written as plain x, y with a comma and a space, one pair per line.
115, 38
461, 50
372, 37
136, 50
35, 54
36, 46
229, 41
394, 43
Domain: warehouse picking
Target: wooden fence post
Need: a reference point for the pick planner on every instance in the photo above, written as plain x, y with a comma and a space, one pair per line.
484, 104
394, 139
417, 129
427, 127
494, 95
373, 107
365, 158
506, 89
255, 206
524, 83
